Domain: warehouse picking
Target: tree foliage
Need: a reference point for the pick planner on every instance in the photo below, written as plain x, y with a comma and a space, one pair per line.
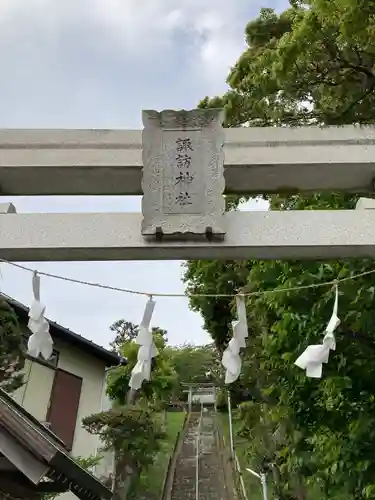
12, 349
207, 277
172, 366
126, 331
132, 429
312, 64
134, 434
195, 364
163, 381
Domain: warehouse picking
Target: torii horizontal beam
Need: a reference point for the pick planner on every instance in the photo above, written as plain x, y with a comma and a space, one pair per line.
257, 160
250, 235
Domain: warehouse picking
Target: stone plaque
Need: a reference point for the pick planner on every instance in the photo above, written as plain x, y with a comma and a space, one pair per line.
183, 173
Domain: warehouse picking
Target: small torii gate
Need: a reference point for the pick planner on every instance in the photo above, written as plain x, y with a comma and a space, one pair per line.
257, 160
196, 390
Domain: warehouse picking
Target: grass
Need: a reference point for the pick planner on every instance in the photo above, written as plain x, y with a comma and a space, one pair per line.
252, 484
152, 479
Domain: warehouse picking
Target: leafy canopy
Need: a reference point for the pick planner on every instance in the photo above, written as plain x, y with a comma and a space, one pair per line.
132, 429
195, 364
163, 380
312, 64
12, 349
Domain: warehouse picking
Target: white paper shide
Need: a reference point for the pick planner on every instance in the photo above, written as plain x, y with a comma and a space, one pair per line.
231, 359
40, 342
314, 356
147, 349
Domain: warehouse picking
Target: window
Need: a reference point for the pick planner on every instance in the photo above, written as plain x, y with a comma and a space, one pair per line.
63, 405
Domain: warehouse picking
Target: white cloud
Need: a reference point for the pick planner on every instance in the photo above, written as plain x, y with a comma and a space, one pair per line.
214, 29
145, 29
98, 63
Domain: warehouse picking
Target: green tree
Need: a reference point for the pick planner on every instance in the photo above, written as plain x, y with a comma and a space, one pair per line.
163, 381
135, 435
195, 364
133, 431
206, 278
311, 64
12, 349
125, 331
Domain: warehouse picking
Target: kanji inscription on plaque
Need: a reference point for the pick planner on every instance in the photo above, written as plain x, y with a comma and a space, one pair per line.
183, 172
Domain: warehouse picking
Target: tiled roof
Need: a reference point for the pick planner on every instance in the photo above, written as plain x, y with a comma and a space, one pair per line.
31, 435
65, 335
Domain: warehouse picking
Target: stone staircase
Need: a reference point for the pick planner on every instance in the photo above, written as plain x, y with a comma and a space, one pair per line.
185, 471
211, 482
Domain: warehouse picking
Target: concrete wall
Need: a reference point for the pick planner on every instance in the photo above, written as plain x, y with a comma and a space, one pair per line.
105, 468
35, 393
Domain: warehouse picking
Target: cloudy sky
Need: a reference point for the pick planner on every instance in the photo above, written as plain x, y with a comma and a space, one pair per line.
97, 64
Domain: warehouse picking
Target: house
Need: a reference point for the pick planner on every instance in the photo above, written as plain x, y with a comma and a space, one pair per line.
34, 462
69, 386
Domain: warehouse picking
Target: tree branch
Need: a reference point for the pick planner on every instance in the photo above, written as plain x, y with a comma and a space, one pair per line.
357, 101
362, 338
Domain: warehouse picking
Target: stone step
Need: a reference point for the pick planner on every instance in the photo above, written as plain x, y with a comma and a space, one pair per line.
211, 484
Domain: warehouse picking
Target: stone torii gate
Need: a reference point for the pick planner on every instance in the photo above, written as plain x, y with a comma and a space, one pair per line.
257, 160
195, 391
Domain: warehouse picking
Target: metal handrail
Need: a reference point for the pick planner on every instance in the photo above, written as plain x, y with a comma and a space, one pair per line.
242, 483
263, 481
